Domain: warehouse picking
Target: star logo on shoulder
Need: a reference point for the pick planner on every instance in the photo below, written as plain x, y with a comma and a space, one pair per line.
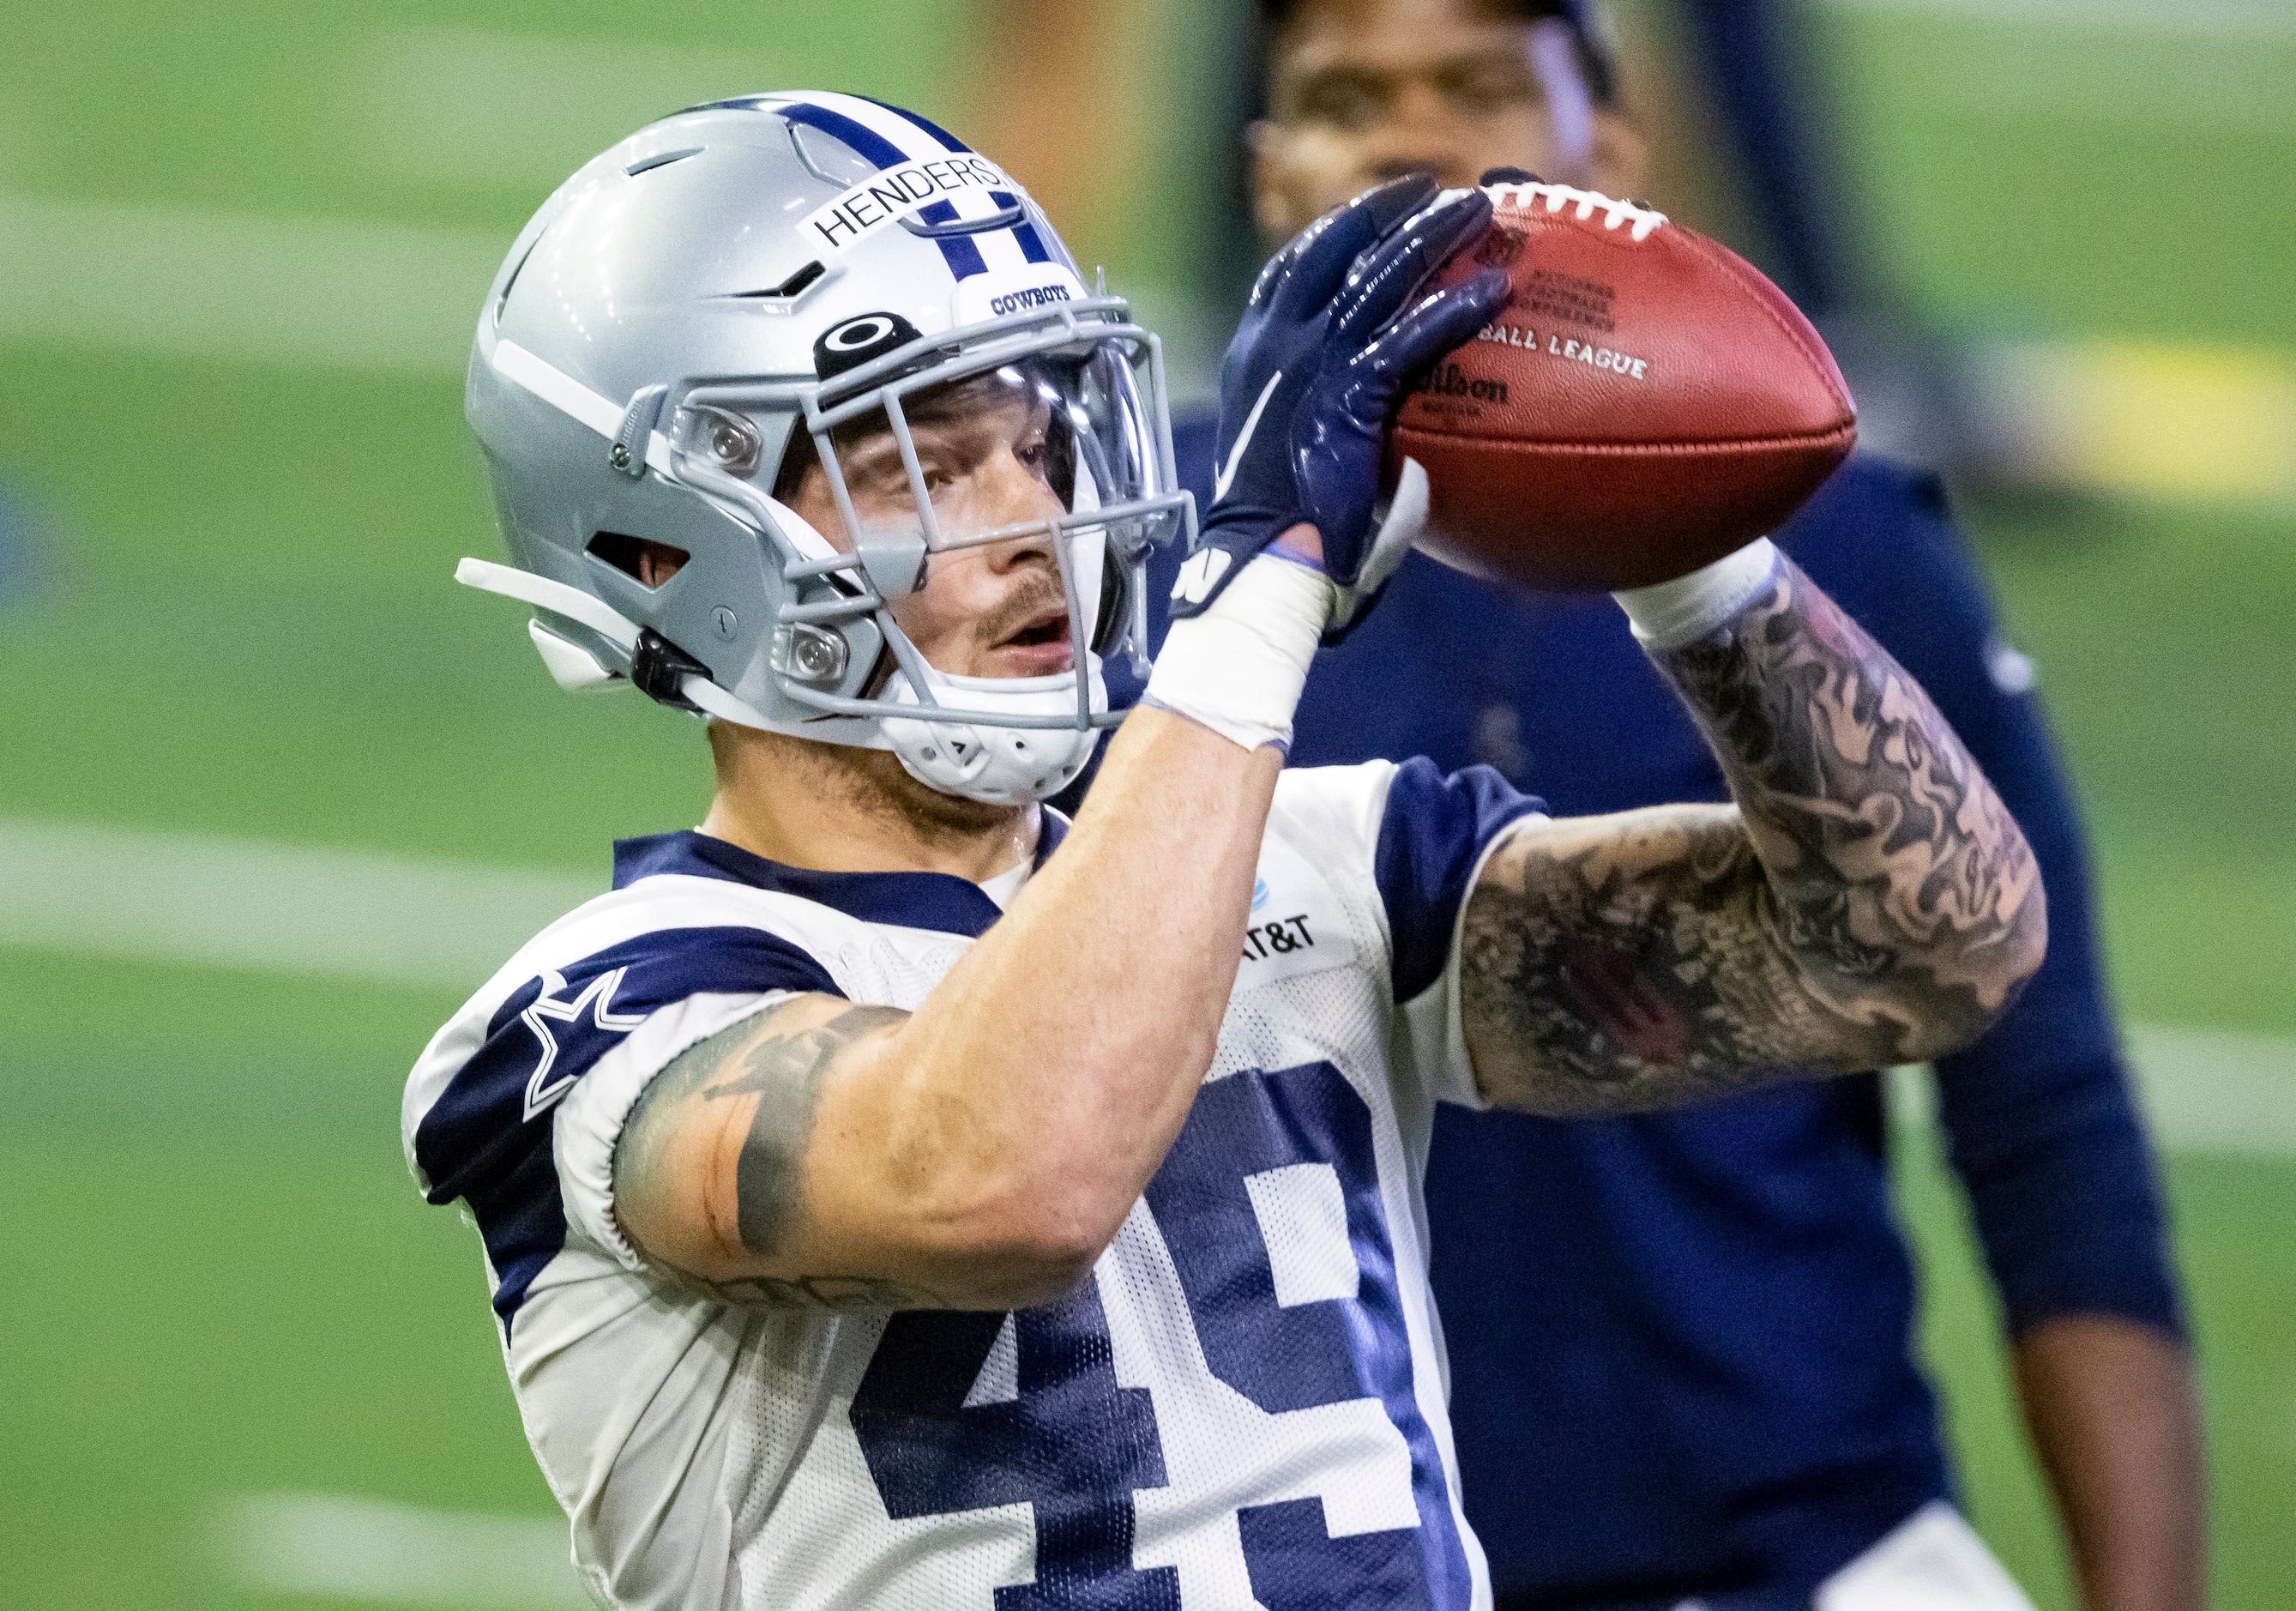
597, 998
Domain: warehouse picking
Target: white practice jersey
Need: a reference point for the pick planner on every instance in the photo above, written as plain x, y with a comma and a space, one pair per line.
1244, 1406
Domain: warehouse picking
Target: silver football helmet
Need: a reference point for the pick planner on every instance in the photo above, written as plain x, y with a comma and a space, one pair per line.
737, 293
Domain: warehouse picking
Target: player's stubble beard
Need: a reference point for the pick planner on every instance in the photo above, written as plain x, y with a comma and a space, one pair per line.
853, 782
874, 781
872, 785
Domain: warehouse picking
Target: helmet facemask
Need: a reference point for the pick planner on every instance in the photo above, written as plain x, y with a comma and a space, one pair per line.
1045, 429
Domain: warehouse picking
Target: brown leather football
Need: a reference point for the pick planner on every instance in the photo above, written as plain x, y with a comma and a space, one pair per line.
1646, 403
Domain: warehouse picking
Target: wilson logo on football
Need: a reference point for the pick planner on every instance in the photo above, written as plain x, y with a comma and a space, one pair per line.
1448, 380
1670, 403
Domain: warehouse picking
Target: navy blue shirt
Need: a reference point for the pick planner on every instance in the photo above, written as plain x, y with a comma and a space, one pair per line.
1681, 1343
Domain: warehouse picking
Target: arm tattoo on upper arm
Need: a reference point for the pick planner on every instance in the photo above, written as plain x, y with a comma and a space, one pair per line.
1868, 899
1612, 963
784, 1069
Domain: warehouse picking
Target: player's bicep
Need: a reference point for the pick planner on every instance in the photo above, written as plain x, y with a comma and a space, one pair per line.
1612, 963
710, 1171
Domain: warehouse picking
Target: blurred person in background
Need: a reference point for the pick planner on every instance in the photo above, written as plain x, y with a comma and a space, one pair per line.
1682, 1343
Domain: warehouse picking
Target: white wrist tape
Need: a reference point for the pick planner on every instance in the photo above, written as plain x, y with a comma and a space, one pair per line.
1239, 667
1667, 615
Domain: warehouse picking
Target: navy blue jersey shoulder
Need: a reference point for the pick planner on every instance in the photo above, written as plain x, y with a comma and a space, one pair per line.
940, 901
487, 1140
1431, 835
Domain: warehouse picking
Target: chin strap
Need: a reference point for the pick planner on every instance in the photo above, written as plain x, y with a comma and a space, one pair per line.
668, 681
975, 762
985, 761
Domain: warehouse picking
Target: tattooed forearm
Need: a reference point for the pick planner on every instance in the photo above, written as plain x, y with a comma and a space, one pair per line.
1868, 901
782, 1066
1900, 883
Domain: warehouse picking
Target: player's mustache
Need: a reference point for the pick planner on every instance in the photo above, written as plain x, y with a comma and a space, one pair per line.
1041, 596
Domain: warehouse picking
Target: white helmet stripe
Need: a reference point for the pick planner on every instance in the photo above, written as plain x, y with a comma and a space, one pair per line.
571, 398
576, 401
606, 622
999, 249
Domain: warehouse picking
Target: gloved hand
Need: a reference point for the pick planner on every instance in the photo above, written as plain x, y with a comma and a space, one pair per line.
1324, 349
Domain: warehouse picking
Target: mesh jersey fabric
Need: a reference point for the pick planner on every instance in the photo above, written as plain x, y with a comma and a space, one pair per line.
1245, 1404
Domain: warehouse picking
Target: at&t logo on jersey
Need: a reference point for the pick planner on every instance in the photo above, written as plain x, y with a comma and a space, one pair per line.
1280, 937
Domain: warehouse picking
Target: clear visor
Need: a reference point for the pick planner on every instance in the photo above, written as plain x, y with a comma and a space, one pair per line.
976, 457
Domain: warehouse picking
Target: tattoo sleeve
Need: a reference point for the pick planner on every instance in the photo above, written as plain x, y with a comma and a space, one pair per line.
782, 1064
1867, 899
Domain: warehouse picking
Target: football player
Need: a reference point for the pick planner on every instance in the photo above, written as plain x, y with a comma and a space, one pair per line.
895, 1196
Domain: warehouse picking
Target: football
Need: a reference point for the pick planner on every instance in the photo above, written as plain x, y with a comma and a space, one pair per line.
1646, 402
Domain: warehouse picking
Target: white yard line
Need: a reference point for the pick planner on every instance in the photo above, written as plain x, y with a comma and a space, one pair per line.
335, 293
2202, 1091
214, 284
459, 109
334, 1547
2218, 1091
394, 919
2244, 19
277, 907
438, 106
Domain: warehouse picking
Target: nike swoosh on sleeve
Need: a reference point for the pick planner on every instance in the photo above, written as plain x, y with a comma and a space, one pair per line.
1226, 477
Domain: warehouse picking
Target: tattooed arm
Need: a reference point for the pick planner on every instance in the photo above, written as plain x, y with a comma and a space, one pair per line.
982, 1151
708, 1171
1866, 901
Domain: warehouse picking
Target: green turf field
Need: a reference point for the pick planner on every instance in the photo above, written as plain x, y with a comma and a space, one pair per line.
239, 621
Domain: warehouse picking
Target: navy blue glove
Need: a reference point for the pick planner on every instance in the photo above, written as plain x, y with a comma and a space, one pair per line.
1324, 351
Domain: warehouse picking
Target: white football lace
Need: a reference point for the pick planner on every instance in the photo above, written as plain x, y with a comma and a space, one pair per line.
1559, 196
